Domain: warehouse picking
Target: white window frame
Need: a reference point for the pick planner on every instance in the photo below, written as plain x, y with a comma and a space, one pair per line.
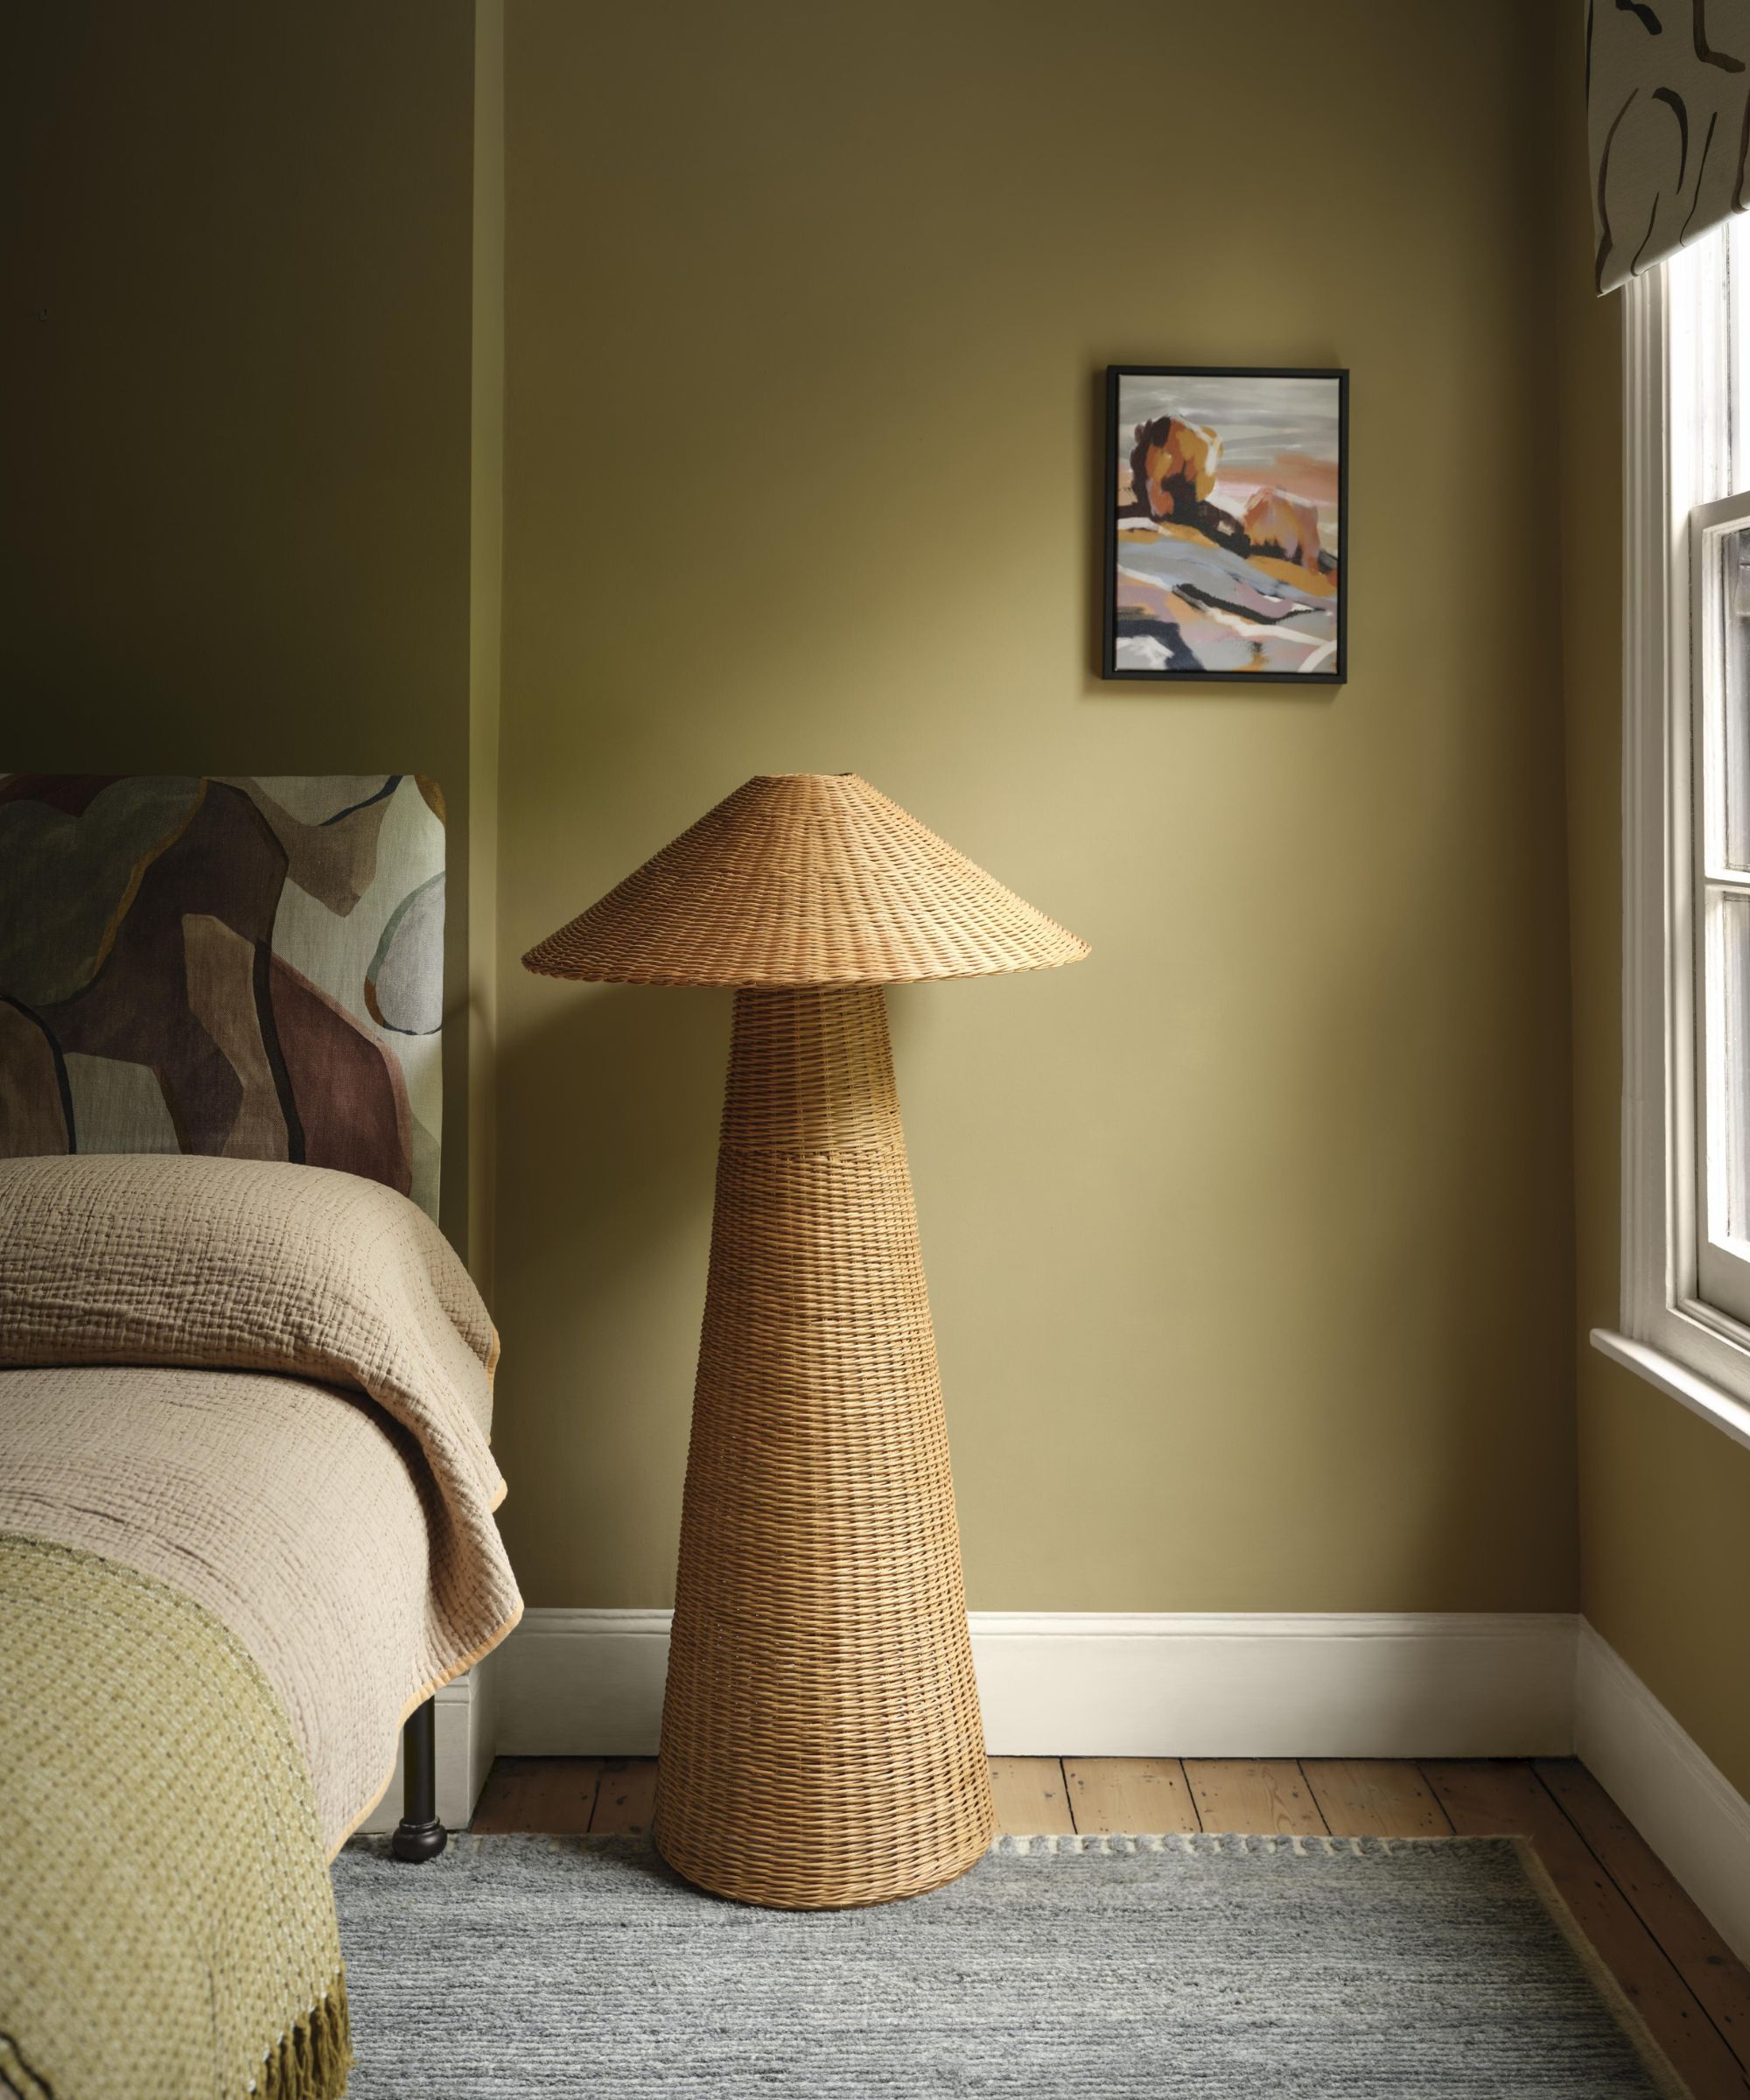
1723, 1266
1695, 1352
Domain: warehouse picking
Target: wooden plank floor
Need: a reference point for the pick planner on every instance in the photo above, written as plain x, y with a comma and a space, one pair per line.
1689, 1987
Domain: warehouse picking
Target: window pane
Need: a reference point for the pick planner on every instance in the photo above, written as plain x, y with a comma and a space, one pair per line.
1734, 396
1728, 1106
1708, 282
1729, 734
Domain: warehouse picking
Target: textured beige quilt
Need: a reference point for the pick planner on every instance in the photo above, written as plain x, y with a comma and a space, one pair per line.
270, 1387
246, 1499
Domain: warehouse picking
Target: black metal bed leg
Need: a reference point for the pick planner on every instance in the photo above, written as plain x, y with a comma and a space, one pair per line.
419, 1835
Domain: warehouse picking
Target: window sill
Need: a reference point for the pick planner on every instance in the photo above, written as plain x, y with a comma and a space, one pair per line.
1701, 1395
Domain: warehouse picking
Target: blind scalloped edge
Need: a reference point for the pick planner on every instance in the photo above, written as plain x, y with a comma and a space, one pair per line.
1668, 123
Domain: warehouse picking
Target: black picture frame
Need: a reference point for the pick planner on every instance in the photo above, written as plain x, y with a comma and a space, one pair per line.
1112, 628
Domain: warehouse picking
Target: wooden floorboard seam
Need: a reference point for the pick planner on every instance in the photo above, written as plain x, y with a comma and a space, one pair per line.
1735, 2044
1489, 1797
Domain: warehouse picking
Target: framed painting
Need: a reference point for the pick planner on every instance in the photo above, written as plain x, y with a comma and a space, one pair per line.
1227, 524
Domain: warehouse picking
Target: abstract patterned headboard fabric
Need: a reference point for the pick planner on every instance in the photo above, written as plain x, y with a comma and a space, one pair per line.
248, 968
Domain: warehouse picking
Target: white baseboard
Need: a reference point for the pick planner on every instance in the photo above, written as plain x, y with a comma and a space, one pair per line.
1186, 1685
582, 1683
466, 1732
1117, 1685
1681, 1803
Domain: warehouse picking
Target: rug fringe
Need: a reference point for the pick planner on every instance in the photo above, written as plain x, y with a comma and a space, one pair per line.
310, 2060
1110, 1844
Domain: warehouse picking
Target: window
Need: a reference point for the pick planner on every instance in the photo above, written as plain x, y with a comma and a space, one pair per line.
1719, 570
1686, 803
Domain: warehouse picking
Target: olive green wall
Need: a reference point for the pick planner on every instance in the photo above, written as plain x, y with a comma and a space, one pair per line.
1664, 1498
1249, 1238
235, 397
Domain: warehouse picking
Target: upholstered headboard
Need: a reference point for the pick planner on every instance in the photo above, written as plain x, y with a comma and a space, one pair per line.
252, 967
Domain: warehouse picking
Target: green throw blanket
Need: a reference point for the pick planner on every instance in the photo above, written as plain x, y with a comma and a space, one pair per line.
166, 1923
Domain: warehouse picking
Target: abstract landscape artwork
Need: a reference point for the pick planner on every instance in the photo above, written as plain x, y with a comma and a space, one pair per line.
1226, 502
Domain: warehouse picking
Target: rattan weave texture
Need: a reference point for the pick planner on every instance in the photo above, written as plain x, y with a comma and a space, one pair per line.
805, 879
821, 1743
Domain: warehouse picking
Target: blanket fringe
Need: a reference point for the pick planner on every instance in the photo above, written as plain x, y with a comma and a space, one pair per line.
310, 2060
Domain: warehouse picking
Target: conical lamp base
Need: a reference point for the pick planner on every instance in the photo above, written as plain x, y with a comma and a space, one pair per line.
821, 1743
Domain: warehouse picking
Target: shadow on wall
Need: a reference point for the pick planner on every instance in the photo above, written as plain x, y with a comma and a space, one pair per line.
615, 1186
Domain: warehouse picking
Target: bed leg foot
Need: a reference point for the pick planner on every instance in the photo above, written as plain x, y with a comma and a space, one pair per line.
419, 1835
417, 1841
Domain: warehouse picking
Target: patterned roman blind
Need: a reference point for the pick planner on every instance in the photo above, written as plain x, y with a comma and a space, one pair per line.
1668, 117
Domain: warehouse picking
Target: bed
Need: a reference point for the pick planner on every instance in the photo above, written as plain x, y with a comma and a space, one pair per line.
246, 1482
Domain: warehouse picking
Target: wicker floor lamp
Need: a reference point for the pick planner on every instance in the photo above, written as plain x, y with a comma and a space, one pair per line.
821, 1742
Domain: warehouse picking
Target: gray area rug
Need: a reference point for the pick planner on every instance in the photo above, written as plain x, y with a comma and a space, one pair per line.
1059, 1969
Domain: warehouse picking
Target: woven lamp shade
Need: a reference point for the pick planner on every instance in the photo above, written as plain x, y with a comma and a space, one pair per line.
821, 1743
805, 879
